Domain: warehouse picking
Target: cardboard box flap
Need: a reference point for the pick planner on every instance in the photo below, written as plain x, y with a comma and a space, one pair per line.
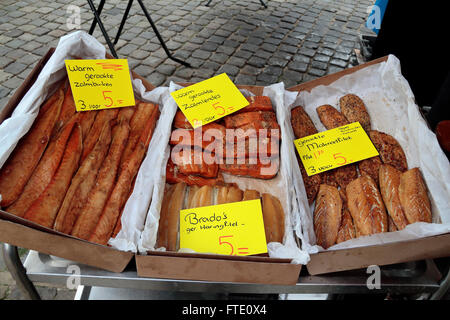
219, 270
65, 247
362, 257
333, 77
383, 253
23, 233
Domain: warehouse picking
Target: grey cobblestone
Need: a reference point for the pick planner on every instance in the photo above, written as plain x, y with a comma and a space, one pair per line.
289, 41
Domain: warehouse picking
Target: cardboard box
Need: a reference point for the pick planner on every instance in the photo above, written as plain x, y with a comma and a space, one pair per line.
220, 268
362, 257
20, 232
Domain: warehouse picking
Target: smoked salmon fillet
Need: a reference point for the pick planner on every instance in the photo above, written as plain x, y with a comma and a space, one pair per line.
44, 172
122, 189
82, 183
104, 184
103, 116
25, 157
44, 210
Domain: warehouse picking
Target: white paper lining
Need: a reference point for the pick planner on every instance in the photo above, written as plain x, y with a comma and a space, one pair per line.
79, 44
392, 108
279, 186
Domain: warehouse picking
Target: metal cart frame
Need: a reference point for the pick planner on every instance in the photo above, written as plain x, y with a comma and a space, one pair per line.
399, 279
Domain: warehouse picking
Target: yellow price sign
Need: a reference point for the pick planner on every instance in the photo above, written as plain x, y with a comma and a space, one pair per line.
100, 84
209, 100
335, 148
232, 229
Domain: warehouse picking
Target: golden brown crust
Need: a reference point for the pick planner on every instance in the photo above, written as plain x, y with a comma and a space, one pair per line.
370, 167
163, 226
392, 227
251, 195
170, 217
330, 117
413, 197
203, 197
228, 194
347, 228
389, 184
327, 215
354, 109
273, 216
366, 206
302, 123
390, 150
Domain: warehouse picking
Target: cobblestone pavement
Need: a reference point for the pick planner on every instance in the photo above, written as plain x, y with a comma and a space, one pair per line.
290, 41
9, 290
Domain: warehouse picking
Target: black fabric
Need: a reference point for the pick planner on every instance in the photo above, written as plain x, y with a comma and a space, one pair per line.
417, 33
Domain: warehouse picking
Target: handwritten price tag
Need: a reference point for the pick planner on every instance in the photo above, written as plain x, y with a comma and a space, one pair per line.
334, 148
100, 84
209, 100
231, 229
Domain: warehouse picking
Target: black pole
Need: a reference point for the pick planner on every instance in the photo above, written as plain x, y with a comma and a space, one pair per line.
122, 23
159, 36
99, 11
102, 28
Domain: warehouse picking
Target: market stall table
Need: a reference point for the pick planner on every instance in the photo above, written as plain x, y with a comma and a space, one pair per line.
408, 278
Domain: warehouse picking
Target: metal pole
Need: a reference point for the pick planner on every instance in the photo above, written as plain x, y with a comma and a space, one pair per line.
444, 287
99, 11
18, 272
102, 28
159, 36
122, 23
